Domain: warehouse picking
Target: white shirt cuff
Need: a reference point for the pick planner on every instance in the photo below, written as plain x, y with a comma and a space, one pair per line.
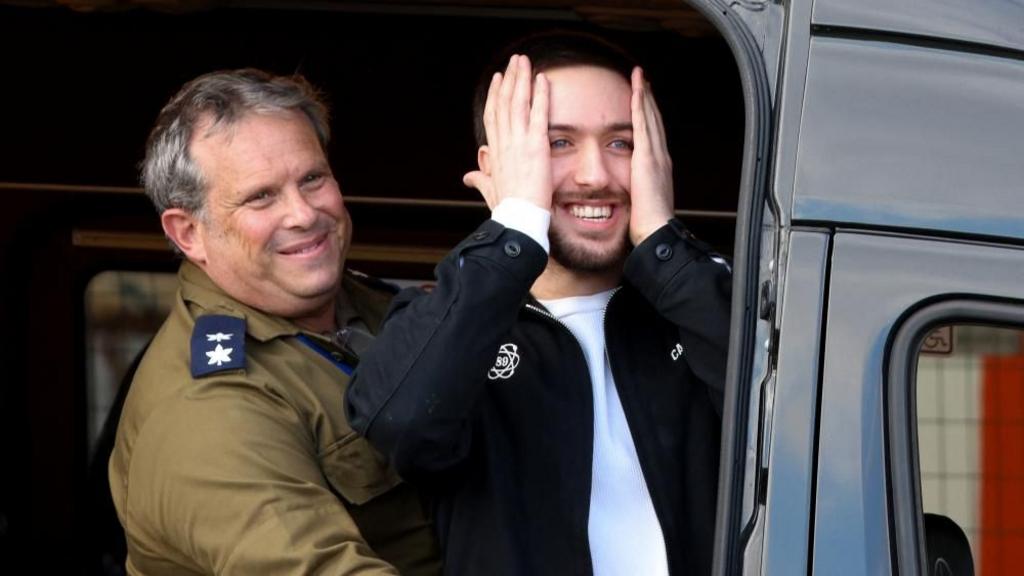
526, 217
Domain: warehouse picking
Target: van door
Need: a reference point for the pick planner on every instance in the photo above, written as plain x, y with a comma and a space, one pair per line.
877, 281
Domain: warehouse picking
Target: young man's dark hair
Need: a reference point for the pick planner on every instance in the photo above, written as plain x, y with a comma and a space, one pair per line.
549, 50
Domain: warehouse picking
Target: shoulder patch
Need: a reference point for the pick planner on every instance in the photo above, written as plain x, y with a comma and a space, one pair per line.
218, 344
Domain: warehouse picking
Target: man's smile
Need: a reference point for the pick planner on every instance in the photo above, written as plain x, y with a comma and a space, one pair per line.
305, 248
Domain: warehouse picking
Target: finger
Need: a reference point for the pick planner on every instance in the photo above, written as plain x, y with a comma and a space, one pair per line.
490, 128
655, 124
520, 111
505, 96
640, 138
539, 109
656, 128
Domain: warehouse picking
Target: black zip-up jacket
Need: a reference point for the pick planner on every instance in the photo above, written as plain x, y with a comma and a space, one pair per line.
482, 398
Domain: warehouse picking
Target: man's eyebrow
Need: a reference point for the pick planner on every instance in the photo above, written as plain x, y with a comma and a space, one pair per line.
616, 127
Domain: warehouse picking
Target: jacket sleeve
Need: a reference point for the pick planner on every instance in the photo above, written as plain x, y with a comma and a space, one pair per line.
414, 392
690, 285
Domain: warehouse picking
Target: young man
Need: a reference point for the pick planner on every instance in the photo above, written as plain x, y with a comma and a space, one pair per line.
563, 409
232, 454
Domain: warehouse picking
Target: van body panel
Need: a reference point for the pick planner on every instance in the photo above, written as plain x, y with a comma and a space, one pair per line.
794, 407
875, 280
993, 22
905, 136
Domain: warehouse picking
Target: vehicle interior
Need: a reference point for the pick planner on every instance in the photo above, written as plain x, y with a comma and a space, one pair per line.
89, 274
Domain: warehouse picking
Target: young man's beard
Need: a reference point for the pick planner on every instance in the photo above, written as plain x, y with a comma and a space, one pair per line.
577, 256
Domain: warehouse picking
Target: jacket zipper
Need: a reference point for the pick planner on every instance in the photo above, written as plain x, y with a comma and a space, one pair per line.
548, 315
644, 465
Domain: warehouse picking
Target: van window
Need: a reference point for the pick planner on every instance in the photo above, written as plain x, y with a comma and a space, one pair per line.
122, 312
970, 436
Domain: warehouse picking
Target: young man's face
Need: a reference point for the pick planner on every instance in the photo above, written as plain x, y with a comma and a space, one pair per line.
275, 231
591, 134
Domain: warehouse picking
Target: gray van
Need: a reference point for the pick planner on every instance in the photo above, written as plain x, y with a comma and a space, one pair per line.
877, 366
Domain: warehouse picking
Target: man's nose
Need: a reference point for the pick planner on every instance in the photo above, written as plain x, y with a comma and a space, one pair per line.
300, 212
591, 171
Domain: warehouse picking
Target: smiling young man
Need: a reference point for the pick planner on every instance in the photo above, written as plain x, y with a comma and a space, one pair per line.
563, 408
233, 455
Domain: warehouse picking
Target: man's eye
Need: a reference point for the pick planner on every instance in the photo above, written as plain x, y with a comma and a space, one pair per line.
560, 143
261, 197
313, 178
621, 144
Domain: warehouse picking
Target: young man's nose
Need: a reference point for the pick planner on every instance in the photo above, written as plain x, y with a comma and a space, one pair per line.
591, 171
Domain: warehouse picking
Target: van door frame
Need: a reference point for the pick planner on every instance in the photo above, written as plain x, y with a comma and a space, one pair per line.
747, 280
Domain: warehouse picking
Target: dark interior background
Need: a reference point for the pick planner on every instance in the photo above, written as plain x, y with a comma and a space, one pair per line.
81, 89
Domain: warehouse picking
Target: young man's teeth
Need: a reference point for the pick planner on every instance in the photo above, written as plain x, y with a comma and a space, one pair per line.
592, 212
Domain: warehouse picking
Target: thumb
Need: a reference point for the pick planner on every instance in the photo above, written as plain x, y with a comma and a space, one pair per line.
482, 182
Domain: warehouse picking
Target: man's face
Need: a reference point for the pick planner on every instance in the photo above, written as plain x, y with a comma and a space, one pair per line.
591, 134
275, 231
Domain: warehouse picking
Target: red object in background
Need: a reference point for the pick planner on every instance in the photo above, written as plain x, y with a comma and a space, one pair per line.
1002, 466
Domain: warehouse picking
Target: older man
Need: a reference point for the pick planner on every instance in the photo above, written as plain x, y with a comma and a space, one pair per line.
232, 453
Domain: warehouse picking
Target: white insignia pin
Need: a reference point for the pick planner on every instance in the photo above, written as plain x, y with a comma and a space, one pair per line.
219, 355
218, 337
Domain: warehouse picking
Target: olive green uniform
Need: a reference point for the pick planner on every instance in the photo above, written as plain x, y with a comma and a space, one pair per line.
255, 470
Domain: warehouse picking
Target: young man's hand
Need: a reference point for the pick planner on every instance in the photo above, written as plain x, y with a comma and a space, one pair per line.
516, 161
652, 199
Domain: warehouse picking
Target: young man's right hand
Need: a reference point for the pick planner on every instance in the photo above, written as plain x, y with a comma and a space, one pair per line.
516, 161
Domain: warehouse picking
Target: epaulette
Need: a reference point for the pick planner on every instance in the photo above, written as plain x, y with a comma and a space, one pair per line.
372, 282
218, 344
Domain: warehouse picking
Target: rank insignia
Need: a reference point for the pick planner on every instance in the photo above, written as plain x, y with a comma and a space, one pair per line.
218, 344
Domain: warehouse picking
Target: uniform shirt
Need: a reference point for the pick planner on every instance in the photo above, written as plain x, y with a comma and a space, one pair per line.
255, 470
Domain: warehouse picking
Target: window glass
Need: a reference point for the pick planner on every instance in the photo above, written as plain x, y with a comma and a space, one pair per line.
970, 420
122, 312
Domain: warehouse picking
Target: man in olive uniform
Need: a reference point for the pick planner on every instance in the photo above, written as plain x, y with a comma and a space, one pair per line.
233, 455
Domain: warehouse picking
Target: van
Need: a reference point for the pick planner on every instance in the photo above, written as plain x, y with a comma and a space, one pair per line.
859, 161
877, 340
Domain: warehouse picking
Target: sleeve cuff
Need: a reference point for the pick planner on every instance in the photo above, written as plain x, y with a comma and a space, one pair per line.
526, 217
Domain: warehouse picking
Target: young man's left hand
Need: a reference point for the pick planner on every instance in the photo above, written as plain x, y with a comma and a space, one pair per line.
652, 199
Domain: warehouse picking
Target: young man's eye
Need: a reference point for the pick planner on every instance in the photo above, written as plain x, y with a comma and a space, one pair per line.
558, 143
621, 144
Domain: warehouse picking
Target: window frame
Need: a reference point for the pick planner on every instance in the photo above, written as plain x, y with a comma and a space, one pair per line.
906, 509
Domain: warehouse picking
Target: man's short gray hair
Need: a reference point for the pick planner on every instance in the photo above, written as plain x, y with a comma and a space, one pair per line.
169, 174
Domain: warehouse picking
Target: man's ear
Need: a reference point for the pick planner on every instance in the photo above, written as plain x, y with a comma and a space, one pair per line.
483, 159
182, 228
